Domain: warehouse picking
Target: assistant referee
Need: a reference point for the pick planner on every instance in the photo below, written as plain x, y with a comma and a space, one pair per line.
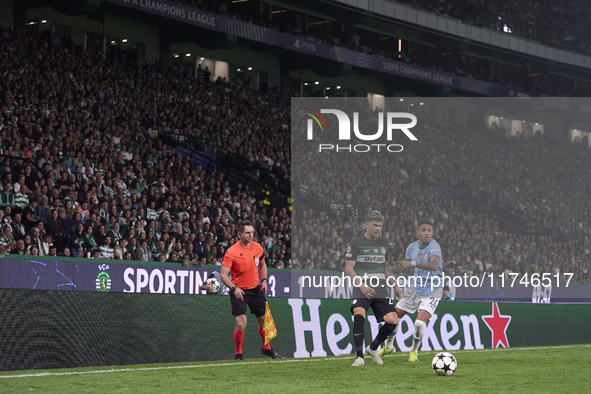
244, 261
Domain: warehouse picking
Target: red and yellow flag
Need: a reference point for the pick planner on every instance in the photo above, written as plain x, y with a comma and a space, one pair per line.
269, 328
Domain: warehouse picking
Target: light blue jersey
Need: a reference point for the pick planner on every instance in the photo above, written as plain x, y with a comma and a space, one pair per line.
413, 252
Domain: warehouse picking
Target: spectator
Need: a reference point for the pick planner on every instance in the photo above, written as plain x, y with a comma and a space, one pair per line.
55, 227
43, 212
52, 251
199, 246
46, 244
7, 242
22, 203
107, 252
18, 229
77, 243
142, 253
115, 234
119, 248
20, 248
100, 235
67, 224
36, 241
7, 196
90, 243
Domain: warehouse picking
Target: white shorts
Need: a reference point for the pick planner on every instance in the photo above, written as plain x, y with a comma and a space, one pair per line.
412, 301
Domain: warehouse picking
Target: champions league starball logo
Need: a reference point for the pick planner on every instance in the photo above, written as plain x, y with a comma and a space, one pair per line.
345, 126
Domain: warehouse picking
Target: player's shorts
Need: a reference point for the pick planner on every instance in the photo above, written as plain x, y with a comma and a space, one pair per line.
380, 306
255, 300
412, 301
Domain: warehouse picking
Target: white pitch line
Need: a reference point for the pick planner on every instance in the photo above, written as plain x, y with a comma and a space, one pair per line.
299, 360
162, 368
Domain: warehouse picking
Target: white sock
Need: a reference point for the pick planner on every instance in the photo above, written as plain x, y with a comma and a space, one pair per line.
417, 335
390, 339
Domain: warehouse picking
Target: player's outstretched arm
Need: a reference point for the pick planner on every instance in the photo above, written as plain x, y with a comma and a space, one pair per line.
432, 265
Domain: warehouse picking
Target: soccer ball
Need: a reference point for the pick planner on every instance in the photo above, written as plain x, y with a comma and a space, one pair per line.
214, 282
444, 364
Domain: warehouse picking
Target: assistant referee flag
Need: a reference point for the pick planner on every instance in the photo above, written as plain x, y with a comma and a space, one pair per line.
269, 328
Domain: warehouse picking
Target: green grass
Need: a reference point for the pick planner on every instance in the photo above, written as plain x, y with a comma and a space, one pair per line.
523, 370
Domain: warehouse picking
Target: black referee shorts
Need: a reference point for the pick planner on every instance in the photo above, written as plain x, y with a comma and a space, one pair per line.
255, 300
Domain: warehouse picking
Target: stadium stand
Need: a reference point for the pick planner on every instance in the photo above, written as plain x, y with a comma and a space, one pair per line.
99, 141
558, 25
84, 160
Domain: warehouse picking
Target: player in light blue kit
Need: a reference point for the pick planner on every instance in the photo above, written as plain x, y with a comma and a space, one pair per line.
425, 256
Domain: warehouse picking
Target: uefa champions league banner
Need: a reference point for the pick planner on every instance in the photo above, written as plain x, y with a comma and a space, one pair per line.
261, 34
253, 32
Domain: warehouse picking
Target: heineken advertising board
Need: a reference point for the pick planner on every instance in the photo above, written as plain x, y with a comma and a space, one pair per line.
61, 329
322, 327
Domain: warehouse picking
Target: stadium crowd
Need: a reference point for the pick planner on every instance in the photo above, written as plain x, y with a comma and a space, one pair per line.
85, 172
534, 179
559, 25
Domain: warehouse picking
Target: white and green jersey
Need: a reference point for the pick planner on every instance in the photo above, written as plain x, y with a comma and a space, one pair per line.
107, 252
21, 200
153, 214
5, 241
370, 259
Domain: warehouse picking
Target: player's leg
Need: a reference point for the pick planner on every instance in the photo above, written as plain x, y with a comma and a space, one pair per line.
359, 314
408, 304
256, 304
389, 344
239, 336
261, 321
427, 307
239, 312
417, 335
266, 350
383, 311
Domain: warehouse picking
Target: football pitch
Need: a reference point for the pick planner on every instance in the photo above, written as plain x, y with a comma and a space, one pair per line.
536, 369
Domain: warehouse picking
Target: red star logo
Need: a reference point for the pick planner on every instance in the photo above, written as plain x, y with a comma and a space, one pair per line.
498, 324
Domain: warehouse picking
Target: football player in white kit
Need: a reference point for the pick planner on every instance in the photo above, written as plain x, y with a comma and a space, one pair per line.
423, 295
